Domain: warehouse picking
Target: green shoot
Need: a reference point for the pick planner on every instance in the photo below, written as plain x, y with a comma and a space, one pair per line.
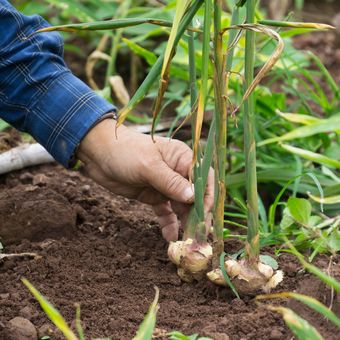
308, 301
301, 328
51, 312
147, 327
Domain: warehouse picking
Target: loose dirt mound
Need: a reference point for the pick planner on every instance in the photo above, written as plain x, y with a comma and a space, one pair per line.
111, 262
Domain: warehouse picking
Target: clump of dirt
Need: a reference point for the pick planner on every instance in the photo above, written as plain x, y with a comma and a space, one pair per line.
111, 261
35, 214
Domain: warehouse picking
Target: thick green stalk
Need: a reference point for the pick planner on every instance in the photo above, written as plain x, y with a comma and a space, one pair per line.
198, 102
221, 134
252, 247
193, 218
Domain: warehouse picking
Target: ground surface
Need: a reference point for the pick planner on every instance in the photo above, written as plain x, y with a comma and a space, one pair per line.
108, 255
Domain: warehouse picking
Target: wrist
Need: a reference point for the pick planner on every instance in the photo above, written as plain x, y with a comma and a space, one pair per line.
99, 140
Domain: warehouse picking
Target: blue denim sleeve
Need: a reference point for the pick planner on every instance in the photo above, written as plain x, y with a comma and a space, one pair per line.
38, 93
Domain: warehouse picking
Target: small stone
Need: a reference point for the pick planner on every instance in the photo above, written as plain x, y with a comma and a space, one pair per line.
126, 260
102, 277
26, 178
275, 334
26, 312
21, 329
45, 330
4, 296
70, 182
219, 336
85, 189
40, 180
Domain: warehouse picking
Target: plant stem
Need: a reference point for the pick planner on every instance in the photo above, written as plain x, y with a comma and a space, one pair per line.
252, 246
221, 134
193, 218
115, 39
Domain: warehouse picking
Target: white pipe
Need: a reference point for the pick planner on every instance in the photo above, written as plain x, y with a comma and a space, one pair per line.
23, 156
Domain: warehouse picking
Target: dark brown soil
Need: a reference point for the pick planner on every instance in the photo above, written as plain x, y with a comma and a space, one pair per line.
110, 259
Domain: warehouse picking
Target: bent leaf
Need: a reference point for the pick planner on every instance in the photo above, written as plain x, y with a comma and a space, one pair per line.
298, 118
157, 67
307, 300
147, 326
312, 156
51, 312
329, 280
325, 200
270, 62
323, 126
299, 326
107, 25
291, 24
181, 7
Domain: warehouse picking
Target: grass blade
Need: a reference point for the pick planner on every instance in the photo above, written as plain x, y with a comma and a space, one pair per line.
226, 276
51, 312
181, 7
323, 126
307, 300
146, 328
291, 24
325, 200
108, 25
329, 280
312, 156
300, 327
298, 118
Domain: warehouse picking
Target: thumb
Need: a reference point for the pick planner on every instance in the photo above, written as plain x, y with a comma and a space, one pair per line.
171, 184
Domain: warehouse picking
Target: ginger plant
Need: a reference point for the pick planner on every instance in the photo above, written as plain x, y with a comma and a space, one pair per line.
195, 256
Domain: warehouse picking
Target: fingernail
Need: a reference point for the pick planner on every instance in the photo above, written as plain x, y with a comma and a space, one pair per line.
188, 194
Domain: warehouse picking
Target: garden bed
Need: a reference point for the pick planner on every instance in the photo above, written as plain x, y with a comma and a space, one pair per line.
109, 255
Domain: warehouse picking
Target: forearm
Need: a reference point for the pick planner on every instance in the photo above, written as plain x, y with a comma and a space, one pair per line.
38, 93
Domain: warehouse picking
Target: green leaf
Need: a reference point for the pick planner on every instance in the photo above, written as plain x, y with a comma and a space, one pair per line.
300, 209
307, 300
302, 329
225, 275
181, 7
327, 279
270, 261
147, 326
323, 126
298, 118
74, 9
3, 125
325, 200
312, 156
51, 312
175, 335
287, 219
334, 240
149, 57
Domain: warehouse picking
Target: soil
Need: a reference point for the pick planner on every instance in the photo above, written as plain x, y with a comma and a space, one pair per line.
108, 255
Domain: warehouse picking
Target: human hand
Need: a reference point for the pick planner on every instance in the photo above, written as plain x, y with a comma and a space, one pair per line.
132, 165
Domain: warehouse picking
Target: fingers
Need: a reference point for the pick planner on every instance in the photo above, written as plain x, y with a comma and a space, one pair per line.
167, 220
170, 183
